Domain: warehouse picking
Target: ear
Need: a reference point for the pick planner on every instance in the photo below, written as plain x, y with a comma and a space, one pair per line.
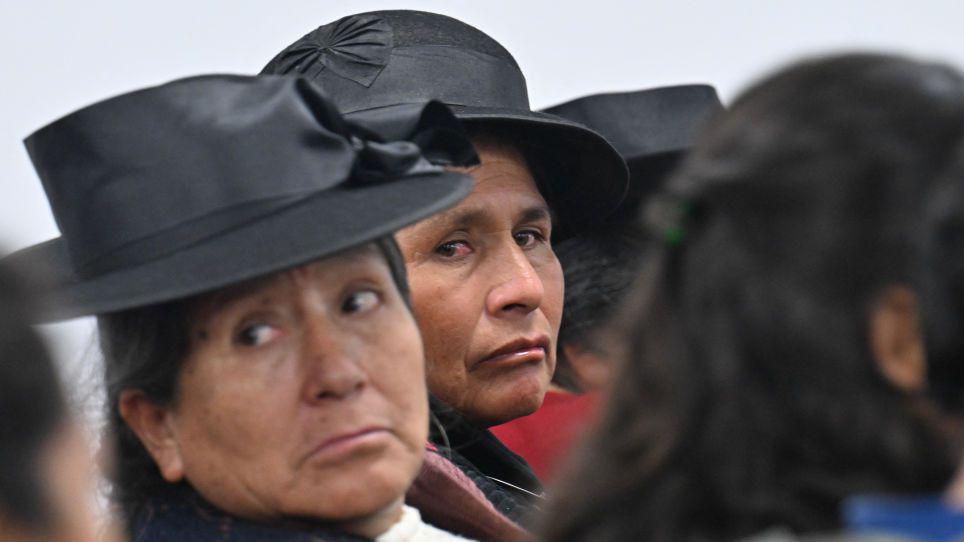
896, 341
591, 369
154, 427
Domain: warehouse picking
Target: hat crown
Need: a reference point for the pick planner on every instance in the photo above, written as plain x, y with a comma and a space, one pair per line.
645, 122
153, 170
387, 58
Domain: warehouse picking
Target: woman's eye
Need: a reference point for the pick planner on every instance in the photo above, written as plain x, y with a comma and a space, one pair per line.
453, 249
258, 335
528, 238
360, 302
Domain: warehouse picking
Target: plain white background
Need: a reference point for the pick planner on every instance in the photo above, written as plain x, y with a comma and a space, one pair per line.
59, 56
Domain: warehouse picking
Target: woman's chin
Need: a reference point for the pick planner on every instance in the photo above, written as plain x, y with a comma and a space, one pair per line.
508, 402
349, 502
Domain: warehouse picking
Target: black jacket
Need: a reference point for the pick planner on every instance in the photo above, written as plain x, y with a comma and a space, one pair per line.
504, 477
181, 515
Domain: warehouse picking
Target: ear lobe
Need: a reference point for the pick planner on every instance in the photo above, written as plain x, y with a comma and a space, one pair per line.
896, 341
153, 425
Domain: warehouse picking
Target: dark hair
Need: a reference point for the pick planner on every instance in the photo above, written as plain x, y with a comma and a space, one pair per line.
599, 269
750, 398
543, 164
943, 286
32, 408
144, 349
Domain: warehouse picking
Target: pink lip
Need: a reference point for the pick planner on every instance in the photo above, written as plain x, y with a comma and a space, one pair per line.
517, 352
346, 443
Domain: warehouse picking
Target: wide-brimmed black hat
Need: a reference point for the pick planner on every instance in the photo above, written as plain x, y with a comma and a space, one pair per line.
204, 182
375, 61
651, 128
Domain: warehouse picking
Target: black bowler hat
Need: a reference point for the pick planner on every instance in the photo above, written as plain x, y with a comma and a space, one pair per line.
651, 128
371, 62
204, 182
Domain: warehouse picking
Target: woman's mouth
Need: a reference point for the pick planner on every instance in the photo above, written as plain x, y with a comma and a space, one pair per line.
349, 443
518, 352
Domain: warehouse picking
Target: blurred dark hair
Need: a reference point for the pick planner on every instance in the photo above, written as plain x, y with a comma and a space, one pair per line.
750, 398
943, 286
144, 349
32, 409
599, 268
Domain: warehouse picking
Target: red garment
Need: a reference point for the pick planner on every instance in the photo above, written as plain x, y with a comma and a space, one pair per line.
545, 437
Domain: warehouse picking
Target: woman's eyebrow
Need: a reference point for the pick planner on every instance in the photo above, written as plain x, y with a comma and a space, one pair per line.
233, 294
466, 217
535, 214
456, 218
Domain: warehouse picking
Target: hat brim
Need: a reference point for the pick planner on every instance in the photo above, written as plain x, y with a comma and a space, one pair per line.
584, 178
317, 227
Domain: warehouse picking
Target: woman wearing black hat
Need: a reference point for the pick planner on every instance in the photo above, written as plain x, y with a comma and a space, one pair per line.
263, 384
486, 286
652, 129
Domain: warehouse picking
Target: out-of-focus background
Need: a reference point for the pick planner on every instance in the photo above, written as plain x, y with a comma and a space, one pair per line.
57, 56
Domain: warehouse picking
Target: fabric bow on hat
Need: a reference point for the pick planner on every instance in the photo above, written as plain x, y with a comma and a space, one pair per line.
410, 141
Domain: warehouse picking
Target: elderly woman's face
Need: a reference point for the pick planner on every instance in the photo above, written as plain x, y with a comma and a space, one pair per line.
303, 395
487, 292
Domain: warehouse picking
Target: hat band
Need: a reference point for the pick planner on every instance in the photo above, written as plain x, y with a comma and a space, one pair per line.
184, 235
376, 163
417, 74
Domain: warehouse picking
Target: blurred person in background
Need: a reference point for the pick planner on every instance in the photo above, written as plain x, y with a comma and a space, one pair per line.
652, 129
776, 363
487, 288
47, 476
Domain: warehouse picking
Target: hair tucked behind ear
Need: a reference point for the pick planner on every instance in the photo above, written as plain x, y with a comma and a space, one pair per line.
749, 398
143, 349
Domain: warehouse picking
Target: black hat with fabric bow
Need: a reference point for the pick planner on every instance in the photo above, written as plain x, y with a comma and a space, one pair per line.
372, 63
204, 182
651, 128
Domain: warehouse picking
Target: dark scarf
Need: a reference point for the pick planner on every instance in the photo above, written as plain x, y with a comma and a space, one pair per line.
504, 477
181, 515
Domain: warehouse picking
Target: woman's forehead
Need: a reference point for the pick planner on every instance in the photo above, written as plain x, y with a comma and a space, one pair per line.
331, 267
493, 212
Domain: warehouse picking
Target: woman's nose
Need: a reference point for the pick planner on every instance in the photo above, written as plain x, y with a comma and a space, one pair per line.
332, 364
519, 289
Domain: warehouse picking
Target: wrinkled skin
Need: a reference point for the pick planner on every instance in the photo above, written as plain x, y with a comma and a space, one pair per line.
303, 396
483, 274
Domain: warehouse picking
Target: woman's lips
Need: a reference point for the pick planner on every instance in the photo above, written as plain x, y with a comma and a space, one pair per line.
345, 444
517, 352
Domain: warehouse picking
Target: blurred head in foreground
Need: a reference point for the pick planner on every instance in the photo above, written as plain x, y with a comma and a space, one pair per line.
46, 473
775, 362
